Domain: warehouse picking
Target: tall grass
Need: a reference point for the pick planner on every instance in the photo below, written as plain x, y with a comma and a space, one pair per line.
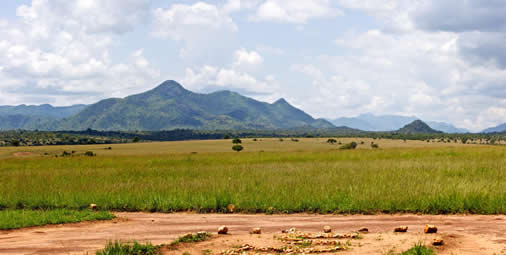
12, 219
422, 180
119, 248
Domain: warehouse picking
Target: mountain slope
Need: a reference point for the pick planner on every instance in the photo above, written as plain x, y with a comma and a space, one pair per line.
170, 106
417, 127
498, 129
31, 117
370, 122
44, 110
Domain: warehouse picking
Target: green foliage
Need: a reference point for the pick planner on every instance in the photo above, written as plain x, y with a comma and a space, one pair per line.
90, 154
419, 249
374, 145
349, 146
237, 148
15, 143
331, 141
236, 141
136, 139
135, 248
12, 219
193, 238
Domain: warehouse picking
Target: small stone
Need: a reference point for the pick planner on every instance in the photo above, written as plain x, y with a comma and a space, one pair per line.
93, 206
429, 229
256, 231
327, 229
401, 229
223, 230
230, 208
363, 230
437, 241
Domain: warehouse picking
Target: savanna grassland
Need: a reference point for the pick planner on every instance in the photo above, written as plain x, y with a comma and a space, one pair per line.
270, 176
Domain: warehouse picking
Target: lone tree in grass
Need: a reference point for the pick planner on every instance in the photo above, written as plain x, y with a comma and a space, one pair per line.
236, 141
331, 141
237, 148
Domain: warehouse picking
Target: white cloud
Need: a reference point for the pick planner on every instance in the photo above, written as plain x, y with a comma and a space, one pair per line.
295, 11
189, 22
238, 5
247, 58
417, 73
58, 52
92, 16
227, 78
203, 28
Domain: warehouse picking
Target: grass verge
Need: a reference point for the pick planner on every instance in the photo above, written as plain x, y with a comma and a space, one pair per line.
13, 219
135, 248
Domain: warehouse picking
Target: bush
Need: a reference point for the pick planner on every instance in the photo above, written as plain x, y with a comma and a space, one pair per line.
349, 146
236, 141
374, 146
15, 143
331, 141
89, 154
136, 139
237, 148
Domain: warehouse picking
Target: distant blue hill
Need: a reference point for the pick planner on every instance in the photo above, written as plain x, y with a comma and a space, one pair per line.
371, 122
497, 129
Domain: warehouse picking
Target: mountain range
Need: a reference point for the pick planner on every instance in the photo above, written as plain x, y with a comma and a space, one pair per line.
371, 122
497, 129
170, 106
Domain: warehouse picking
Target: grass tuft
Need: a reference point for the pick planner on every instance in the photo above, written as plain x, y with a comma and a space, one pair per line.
192, 238
135, 248
419, 249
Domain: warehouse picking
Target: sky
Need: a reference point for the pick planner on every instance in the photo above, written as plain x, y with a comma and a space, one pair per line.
439, 60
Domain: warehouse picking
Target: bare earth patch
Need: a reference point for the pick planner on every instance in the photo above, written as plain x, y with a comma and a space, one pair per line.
462, 234
23, 153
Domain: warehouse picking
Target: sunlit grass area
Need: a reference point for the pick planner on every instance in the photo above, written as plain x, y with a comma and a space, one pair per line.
268, 176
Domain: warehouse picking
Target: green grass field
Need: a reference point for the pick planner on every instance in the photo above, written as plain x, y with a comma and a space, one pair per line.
287, 177
12, 219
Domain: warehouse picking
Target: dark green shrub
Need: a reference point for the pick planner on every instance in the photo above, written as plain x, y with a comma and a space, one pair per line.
237, 148
349, 146
89, 154
236, 141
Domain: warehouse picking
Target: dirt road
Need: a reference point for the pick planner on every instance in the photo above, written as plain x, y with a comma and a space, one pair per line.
462, 234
